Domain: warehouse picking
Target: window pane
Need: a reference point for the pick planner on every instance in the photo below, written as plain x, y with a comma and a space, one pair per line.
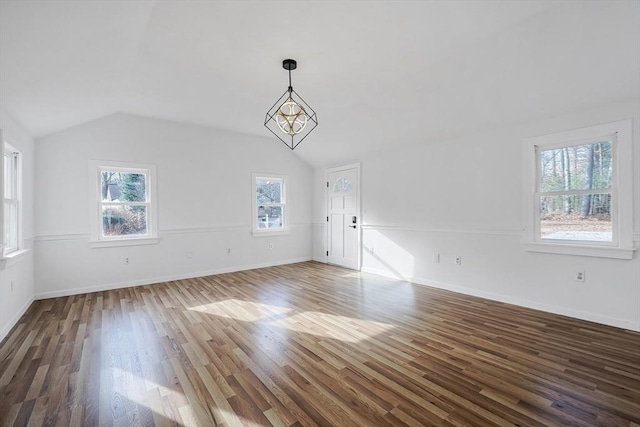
270, 217
123, 187
585, 217
11, 225
269, 191
581, 167
342, 184
124, 220
8, 176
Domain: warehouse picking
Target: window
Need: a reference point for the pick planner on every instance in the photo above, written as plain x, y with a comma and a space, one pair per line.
342, 185
574, 192
12, 196
579, 192
269, 204
125, 208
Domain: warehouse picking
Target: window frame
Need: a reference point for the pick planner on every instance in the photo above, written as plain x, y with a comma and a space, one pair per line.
16, 200
621, 246
98, 239
257, 232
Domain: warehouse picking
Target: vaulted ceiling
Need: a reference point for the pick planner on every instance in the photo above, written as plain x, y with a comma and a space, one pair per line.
380, 74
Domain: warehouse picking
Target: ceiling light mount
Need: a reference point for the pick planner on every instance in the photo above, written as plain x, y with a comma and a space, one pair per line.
291, 115
289, 64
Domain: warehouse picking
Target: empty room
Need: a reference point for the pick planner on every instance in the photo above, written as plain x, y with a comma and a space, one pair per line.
320, 213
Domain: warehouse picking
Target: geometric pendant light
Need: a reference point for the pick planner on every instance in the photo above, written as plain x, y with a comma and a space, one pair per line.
291, 119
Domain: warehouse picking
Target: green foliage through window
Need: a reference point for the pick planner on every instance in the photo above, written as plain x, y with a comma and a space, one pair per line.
124, 203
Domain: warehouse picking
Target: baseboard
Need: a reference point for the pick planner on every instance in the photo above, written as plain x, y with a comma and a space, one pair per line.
14, 321
151, 281
549, 308
322, 259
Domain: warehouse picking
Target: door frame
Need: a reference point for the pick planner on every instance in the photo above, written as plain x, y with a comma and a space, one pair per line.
328, 171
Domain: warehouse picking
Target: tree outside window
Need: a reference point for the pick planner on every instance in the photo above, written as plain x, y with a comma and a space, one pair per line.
124, 203
575, 194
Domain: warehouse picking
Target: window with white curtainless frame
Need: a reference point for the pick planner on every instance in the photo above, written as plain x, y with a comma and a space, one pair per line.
125, 203
12, 221
578, 196
270, 214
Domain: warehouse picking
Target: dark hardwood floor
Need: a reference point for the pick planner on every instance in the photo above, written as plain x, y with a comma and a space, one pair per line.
310, 344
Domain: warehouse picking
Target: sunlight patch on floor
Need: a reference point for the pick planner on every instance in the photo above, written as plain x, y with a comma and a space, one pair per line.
246, 311
348, 329
129, 388
142, 392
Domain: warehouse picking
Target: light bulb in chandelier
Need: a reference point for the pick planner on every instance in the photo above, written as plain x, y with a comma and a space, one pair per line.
291, 117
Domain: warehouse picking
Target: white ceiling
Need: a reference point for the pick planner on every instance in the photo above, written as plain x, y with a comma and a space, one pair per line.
380, 74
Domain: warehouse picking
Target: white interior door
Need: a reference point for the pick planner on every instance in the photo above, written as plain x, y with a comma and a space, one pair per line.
343, 209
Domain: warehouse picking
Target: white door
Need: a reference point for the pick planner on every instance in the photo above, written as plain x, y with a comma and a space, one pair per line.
343, 209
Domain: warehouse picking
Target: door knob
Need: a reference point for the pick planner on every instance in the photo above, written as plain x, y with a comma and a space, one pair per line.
352, 226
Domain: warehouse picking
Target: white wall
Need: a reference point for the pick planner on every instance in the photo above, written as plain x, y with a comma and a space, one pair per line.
204, 199
319, 216
14, 300
464, 198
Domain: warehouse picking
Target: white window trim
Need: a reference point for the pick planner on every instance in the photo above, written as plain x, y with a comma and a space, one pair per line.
95, 202
17, 201
622, 192
16, 254
261, 232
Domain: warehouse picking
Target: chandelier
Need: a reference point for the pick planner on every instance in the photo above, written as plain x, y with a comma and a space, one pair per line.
291, 119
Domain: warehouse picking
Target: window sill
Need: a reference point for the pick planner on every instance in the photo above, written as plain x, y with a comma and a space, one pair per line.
580, 250
13, 258
265, 233
96, 244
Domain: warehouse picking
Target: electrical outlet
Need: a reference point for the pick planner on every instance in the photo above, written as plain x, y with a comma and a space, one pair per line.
436, 258
228, 250
458, 260
580, 276
270, 245
189, 254
126, 260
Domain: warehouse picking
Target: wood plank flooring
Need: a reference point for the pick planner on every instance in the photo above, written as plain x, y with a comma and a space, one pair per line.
309, 344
